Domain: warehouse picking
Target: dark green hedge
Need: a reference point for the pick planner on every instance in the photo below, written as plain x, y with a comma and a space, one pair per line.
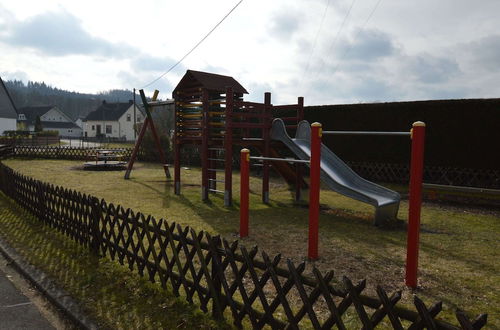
460, 133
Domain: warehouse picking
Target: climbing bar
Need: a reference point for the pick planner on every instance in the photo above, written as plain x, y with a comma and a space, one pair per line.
365, 133
215, 170
216, 113
217, 159
215, 180
216, 191
190, 105
216, 124
280, 159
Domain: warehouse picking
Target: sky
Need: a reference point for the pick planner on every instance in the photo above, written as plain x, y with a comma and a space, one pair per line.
328, 51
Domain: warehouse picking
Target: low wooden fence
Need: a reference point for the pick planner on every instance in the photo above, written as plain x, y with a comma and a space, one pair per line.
229, 281
31, 141
452, 176
377, 172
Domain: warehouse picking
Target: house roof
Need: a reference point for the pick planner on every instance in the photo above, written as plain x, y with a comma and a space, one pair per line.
32, 112
7, 107
109, 111
210, 81
58, 124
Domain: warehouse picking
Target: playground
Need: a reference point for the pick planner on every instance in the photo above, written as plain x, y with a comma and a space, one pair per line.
458, 245
358, 228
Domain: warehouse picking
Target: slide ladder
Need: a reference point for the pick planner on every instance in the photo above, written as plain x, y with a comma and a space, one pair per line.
337, 175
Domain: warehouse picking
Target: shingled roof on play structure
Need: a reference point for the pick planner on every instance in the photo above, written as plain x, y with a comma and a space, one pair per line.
210, 81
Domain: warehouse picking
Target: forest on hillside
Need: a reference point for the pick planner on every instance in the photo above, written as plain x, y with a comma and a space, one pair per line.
73, 104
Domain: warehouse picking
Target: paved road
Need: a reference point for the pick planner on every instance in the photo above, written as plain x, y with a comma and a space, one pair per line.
16, 310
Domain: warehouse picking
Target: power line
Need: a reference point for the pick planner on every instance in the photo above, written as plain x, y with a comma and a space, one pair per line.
316, 38
195, 46
348, 49
337, 34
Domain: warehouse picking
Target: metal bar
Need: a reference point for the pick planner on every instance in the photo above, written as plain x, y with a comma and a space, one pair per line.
280, 159
462, 189
314, 192
215, 180
365, 133
216, 191
215, 170
217, 159
244, 191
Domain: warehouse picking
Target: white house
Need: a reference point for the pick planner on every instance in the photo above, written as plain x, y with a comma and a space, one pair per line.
52, 119
115, 120
8, 113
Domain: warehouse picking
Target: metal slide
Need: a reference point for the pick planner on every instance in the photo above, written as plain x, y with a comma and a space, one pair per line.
337, 175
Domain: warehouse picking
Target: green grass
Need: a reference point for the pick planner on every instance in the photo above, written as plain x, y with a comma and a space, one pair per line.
459, 246
108, 292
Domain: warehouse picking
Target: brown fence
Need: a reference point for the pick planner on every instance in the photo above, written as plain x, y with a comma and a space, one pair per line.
453, 176
378, 172
74, 153
34, 140
229, 281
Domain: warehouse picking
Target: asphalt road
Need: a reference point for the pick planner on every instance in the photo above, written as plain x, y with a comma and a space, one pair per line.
16, 310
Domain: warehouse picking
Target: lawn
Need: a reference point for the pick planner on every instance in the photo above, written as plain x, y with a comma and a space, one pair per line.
459, 246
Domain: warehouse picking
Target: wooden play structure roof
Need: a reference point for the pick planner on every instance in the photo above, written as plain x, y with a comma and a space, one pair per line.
210, 81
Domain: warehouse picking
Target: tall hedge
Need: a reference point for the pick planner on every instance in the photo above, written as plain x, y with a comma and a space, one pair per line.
460, 133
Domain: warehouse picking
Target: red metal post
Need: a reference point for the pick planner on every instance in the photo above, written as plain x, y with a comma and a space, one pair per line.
228, 149
266, 136
415, 200
315, 167
244, 191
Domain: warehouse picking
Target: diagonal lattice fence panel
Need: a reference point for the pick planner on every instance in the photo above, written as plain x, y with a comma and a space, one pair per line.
229, 281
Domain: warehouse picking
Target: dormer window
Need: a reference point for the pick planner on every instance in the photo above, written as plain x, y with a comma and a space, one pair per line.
21, 116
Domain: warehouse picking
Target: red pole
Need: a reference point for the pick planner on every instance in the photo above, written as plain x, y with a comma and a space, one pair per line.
416, 175
315, 167
244, 188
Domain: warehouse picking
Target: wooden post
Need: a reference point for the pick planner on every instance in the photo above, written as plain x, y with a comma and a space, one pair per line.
315, 167
244, 191
298, 166
94, 231
177, 153
204, 146
266, 136
415, 201
228, 146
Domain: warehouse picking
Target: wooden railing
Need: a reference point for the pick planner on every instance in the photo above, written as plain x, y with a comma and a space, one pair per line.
223, 278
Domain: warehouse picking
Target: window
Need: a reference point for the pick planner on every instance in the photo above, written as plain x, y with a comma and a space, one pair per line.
138, 119
108, 129
93, 127
129, 117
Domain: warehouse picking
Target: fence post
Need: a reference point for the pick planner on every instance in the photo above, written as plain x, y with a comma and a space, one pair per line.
216, 261
41, 202
94, 232
415, 201
244, 198
315, 167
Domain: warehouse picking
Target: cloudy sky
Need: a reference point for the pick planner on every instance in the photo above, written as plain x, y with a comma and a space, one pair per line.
336, 51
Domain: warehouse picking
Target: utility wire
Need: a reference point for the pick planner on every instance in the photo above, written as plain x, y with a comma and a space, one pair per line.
348, 49
316, 39
195, 46
322, 64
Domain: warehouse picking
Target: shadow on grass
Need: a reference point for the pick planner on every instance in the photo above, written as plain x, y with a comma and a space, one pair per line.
110, 293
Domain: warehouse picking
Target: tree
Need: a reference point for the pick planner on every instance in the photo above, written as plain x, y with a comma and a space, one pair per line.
38, 124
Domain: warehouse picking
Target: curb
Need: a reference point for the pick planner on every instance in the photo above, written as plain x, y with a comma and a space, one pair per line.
57, 296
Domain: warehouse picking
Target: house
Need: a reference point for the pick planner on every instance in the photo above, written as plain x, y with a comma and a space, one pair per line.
8, 112
115, 120
52, 119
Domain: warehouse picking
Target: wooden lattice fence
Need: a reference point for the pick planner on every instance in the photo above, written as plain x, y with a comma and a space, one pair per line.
453, 176
230, 281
